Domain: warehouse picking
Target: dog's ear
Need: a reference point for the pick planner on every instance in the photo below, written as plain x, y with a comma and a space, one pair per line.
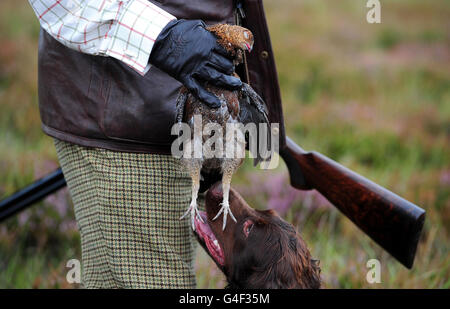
276, 259
269, 267
305, 269
286, 263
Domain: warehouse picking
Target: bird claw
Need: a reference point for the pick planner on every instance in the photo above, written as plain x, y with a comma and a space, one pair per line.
225, 209
193, 210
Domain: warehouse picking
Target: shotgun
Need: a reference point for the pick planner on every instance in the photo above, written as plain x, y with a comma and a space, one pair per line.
391, 221
31, 194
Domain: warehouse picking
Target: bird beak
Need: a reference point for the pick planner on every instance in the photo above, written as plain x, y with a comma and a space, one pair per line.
249, 47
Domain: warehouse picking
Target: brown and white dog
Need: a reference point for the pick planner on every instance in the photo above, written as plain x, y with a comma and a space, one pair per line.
260, 250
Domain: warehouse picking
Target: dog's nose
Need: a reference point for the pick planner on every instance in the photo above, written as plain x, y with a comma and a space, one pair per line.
215, 192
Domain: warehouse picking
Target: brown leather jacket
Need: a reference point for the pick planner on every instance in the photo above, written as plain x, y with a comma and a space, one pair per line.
100, 102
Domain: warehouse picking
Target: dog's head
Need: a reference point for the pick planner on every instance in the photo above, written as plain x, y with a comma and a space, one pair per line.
260, 250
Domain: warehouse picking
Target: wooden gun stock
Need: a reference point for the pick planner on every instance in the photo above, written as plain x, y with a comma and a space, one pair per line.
391, 221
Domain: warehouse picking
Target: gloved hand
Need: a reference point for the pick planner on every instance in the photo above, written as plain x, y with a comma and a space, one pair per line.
189, 53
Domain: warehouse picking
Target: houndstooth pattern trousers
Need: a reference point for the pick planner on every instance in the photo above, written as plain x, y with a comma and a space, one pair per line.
127, 207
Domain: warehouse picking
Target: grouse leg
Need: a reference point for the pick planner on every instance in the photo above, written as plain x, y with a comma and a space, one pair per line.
194, 170
226, 182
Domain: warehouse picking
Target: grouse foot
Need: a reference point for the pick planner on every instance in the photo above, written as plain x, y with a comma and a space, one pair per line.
193, 210
226, 210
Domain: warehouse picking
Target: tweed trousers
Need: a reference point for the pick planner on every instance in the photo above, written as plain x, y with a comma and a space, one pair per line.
127, 207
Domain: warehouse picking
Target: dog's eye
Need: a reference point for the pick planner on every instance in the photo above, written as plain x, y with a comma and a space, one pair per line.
248, 225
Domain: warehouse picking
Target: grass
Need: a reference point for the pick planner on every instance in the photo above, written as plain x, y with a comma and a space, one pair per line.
375, 97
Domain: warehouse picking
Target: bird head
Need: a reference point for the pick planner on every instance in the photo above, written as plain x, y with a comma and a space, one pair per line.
247, 40
233, 37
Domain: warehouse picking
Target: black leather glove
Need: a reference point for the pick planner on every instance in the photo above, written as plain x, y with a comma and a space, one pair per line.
189, 53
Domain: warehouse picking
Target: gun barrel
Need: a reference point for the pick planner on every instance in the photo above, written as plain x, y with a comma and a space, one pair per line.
31, 194
391, 221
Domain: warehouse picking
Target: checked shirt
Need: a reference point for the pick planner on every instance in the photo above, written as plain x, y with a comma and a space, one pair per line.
123, 29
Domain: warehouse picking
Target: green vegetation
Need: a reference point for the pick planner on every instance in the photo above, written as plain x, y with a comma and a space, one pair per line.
375, 97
